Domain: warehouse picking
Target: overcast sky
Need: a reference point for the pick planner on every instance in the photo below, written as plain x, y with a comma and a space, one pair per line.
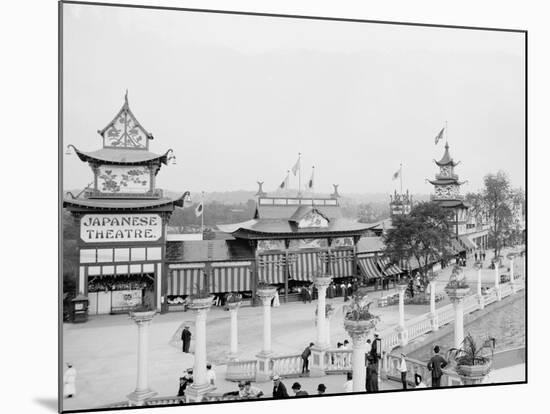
237, 97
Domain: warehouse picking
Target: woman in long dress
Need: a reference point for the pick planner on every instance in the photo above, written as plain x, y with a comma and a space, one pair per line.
69, 381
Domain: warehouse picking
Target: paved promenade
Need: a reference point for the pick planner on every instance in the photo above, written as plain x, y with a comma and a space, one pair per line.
104, 350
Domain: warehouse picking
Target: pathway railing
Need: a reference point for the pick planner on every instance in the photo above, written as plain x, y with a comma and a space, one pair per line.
338, 360
241, 370
287, 365
414, 366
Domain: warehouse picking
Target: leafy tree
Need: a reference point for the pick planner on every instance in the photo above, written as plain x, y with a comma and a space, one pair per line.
497, 197
424, 234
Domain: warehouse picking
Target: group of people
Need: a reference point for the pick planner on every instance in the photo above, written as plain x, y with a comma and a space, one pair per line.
480, 255
436, 365
187, 379
279, 389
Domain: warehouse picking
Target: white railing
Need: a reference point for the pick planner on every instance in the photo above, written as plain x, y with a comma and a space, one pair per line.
445, 315
241, 370
490, 296
393, 362
471, 304
390, 339
418, 326
338, 360
287, 365
505, 290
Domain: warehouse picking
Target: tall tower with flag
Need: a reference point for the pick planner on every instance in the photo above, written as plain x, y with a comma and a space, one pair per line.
447, 190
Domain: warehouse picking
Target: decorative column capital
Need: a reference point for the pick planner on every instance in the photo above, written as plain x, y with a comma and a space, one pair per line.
322, 282
233, 306
266, 294
402, 287
359, 330
143, 318
457, 295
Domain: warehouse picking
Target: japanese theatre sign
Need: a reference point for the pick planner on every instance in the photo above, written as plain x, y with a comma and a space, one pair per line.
106, 228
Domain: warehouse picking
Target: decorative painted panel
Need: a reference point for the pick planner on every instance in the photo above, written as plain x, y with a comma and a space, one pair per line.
264, 245
119, 179
125, 132
313, 220
308, 244
342, 242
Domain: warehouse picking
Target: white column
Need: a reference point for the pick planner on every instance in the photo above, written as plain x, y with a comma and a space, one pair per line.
322, 284
458, 305
403, 337
479, 294
327, 332
358, 362
142, 391
266, 349
433, 312
497, 281
234, 344
402, 307
199, 367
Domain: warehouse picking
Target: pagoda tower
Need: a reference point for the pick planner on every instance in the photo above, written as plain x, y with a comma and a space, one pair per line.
122, 218
447, 191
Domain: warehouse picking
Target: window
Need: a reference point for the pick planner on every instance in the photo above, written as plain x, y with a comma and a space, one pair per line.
122, 269
148, 268
122, 255
135, 268
104, 255
108, 270
154, 253
94, 270
87, 256
138, 253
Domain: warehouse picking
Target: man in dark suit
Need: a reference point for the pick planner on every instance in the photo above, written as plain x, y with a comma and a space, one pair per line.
186, 339
436, 365
279, 389
305, 358
375, 348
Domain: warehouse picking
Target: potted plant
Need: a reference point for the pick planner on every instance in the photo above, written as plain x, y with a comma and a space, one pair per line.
457, 287
358, 316
233, 300
201, 298
471, 359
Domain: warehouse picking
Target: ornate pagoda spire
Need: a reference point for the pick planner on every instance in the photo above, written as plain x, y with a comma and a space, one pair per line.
125, 131
447, 159
446, 183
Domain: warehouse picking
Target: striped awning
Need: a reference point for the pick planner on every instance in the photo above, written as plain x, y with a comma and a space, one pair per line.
342, 263
186, 279
467, 242
369, 268
305, 266
387, 268
231, 277
271, 268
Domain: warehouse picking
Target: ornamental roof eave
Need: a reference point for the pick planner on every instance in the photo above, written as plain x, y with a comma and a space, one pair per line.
446, 159
94, 204
449, 181
121, 156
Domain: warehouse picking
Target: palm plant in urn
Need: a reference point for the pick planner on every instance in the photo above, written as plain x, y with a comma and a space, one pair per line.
265, 289
471, 359
457, 287
358, 314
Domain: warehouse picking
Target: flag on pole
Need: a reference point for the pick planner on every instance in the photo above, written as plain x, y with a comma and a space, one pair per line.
297, 166
284, 183
198, 209
439, 136
396, 174
310, 182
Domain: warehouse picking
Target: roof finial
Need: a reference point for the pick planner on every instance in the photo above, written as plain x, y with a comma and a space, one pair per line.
126, 97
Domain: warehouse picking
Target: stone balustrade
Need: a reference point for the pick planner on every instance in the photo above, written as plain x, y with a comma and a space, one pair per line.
287, 365
241, 370
418, 326
450, 377
338, 360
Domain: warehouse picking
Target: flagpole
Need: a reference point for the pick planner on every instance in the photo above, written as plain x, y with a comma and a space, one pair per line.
299, 174
401, 178
446, 133
202, 216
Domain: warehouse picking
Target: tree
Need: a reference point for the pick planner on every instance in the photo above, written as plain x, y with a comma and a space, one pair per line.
497, 197
424, 234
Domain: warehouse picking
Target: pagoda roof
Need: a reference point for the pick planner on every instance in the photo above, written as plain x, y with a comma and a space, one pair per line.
120, 204
260, 228
121, 156
446, 159
446, 181
452, 203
